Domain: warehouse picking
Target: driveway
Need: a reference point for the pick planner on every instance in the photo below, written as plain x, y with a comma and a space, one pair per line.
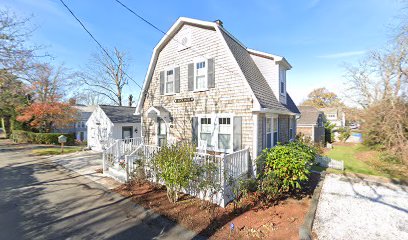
40, 200
356, 208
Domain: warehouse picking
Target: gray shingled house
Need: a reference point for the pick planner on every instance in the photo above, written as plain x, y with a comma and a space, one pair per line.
204, 84
311, 123
108, 123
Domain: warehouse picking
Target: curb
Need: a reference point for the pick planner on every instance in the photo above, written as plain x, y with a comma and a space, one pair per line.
305, 230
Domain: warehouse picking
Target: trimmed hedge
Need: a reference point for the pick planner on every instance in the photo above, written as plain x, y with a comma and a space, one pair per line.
41, 138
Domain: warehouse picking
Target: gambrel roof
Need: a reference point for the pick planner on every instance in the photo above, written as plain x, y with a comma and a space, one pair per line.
261, 90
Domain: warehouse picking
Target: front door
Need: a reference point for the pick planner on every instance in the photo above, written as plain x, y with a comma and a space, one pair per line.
161, 132
127, 132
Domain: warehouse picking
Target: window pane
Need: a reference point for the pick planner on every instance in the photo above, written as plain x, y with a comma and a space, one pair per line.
169, 72
169, 87
269, 140
275, 138
206, 137
224, 141
275, 124
200, 82
269, 125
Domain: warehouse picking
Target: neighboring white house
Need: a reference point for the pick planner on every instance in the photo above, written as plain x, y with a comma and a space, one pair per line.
335, 115
204, 84
79, 127
107, 123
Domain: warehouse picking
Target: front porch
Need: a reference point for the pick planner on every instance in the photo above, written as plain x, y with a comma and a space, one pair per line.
121, 159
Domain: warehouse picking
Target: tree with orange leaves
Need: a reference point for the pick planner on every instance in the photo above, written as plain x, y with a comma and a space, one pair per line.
48, 86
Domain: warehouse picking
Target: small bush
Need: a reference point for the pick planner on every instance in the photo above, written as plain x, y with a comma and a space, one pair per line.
175, 167
344, 134
41, 138
284, 168
390, 158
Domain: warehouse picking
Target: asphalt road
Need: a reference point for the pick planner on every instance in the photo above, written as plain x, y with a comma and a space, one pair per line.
40, 200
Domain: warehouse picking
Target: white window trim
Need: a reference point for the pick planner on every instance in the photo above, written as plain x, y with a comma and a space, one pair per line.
214, 135
166, 69
197, 60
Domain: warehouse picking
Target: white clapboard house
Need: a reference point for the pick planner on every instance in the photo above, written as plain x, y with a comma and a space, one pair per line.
109, 123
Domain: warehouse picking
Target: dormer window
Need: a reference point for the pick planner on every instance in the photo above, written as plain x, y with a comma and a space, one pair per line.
200, 75
282, 78
169, 81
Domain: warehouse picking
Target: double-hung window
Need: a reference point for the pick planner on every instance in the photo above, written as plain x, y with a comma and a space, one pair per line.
169, 81
206, 130
269, 132
275, 131
200, 75
224, 133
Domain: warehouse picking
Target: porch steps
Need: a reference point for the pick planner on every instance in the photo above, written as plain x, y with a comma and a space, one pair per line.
117, 173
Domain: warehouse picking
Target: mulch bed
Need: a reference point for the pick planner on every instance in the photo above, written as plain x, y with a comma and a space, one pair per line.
251, 218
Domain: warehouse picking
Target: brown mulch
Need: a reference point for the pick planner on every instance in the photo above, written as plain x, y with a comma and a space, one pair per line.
251, 219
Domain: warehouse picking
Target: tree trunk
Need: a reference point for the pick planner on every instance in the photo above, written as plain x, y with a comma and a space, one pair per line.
7, 126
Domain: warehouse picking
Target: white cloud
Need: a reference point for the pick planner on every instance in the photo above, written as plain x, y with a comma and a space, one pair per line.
342, 54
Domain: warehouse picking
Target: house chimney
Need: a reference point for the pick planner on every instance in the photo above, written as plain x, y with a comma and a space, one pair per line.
219, 22
130, 100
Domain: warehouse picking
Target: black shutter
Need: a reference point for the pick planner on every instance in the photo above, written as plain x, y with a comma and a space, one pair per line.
162, 82
211, 73
194, 129
237, 134
190, 76
177, 79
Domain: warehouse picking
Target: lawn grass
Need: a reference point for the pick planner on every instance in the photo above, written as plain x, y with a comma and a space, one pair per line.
55, 151
360, 159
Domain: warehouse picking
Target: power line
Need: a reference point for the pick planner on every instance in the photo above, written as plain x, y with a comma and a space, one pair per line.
97, 42
173, 39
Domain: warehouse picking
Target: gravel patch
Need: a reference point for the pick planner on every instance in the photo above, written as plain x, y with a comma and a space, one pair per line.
354, 208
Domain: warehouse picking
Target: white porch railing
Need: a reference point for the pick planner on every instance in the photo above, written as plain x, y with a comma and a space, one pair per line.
117, 151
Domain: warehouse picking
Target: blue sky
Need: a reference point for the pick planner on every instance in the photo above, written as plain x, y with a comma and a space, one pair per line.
316, 36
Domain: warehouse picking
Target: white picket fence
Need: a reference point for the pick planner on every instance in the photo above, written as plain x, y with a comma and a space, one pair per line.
327, 162
231, 167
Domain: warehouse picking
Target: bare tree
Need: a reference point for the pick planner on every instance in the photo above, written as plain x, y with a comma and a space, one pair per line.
16, 56
379, 84
381, 75
106, 77
49, 83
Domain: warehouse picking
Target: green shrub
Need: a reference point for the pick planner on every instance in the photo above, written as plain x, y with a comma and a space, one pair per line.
390, 158
284, 168
174, 165
344, 133
41, 138
328, 131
